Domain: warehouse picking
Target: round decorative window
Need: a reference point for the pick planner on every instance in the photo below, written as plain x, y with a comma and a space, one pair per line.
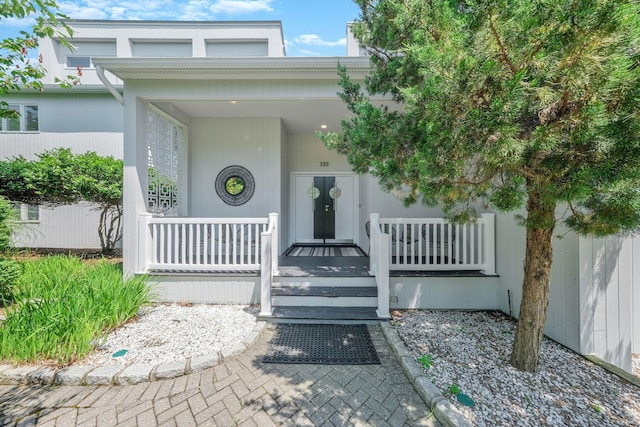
335, 193
235, 185
313, 192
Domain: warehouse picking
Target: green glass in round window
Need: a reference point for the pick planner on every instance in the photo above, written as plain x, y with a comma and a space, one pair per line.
234, 185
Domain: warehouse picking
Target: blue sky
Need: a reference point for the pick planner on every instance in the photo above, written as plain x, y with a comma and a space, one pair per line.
311, 27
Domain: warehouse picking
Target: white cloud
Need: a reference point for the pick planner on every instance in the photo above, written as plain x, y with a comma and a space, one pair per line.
307, 52
118, 9
89, 13
118, 13
239, 7
314, 40
196, 10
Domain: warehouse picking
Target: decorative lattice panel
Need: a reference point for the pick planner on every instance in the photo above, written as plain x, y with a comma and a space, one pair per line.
164, 143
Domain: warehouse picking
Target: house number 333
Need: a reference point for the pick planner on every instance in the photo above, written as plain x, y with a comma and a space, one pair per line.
324, 164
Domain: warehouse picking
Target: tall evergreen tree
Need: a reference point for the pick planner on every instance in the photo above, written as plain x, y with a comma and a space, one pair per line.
514, 104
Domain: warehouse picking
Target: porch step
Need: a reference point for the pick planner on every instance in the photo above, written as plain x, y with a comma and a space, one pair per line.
324, 291
319, 282
342, 315
339, 296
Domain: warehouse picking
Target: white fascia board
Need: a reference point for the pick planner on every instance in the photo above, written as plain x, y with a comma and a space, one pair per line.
100, 23
54, 88
234, 68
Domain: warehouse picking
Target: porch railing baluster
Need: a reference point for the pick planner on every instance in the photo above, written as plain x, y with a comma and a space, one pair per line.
207, 244
424, 244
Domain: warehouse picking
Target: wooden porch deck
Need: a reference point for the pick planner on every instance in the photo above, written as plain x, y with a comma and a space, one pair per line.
311, 266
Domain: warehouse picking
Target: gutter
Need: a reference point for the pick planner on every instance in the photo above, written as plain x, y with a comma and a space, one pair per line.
117, 95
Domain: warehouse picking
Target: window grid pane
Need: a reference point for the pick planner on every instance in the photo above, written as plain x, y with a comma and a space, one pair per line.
31, 118
164, 140
79, 61
33, 213
13, 123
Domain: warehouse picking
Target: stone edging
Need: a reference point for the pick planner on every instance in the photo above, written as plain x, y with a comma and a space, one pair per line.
119, 374
442, 408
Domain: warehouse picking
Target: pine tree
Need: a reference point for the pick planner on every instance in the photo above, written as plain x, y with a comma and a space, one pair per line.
517, 105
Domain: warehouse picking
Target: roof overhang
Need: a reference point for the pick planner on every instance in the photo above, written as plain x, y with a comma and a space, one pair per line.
234, 68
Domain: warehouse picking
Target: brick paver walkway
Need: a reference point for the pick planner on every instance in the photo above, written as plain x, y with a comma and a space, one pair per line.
239, 391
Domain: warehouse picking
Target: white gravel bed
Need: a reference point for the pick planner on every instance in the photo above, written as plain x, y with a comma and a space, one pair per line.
472, 350
167, 333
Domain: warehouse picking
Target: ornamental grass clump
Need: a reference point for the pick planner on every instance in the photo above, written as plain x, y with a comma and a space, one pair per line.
63, 308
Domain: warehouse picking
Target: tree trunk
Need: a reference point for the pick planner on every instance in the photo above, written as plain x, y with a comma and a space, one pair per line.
535, 286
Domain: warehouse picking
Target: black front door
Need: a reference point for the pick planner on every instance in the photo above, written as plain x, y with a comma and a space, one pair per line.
324, 213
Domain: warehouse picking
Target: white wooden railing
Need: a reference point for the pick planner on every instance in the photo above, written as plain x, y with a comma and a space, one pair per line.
434, 244
206, 244
379, 246
269, 267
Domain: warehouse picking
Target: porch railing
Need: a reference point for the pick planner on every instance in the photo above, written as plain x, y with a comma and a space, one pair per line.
434, 244
205, 244
379, 246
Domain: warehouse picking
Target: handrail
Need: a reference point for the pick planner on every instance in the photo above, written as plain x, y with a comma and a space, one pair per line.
379, 264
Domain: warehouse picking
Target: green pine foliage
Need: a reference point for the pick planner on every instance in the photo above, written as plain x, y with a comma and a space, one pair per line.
501, 98
509, 105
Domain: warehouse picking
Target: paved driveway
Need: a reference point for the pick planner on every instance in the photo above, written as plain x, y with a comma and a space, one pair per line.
239, 391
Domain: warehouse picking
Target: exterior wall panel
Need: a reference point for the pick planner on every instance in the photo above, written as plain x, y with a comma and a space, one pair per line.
251, 143
457, 293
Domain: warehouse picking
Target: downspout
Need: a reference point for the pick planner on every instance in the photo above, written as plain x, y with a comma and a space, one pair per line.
108, 85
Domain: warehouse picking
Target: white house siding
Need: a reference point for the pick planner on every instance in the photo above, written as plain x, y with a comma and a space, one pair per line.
607, 285
563, 311
592, 290
457, 293
217, 143
285, 216
635, 290
81, 121
207, 289
69, 227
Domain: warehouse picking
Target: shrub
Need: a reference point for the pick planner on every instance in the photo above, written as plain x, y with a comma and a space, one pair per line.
7, 214
9, 275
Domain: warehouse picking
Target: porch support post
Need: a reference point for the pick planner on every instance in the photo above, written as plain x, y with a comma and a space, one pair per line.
374, 254
145, 242
266, 276
382, 276
489, 243
275, 239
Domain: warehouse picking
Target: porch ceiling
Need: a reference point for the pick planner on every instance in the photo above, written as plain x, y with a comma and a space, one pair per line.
298, 116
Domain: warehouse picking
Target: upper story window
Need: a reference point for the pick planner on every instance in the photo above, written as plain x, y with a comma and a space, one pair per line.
79, 61
235, 48
161, 48
84, 50
27, 121
27, 213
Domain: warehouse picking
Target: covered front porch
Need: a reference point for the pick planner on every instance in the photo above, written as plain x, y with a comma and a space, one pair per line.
239, 260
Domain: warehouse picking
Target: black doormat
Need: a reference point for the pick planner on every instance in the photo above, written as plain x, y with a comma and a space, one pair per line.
322, 345
320, 251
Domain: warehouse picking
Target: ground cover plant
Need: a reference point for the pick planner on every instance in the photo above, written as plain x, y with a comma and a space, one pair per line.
63, 308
